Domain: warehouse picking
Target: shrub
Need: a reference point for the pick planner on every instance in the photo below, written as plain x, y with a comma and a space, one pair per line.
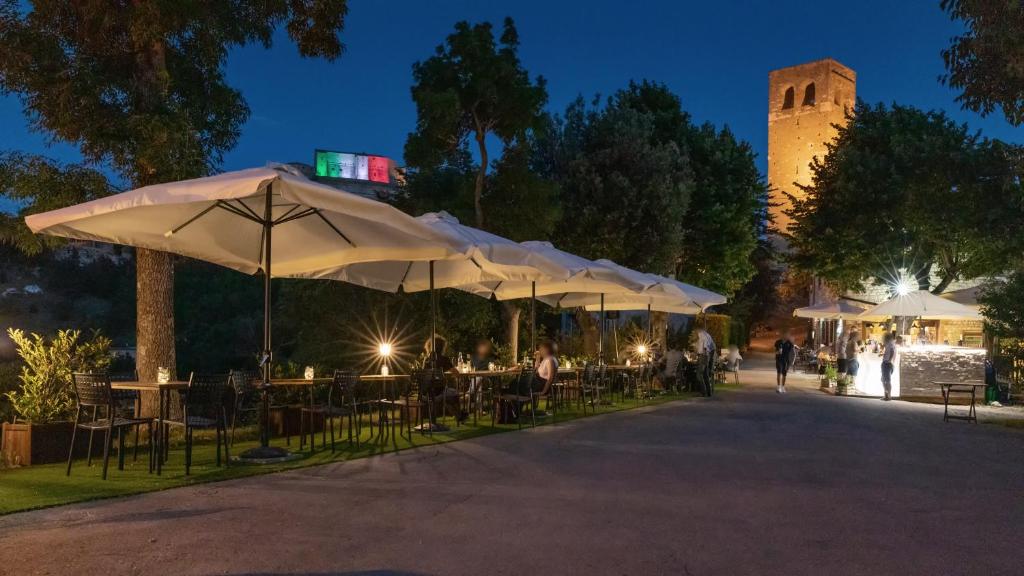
718, 328
45, 392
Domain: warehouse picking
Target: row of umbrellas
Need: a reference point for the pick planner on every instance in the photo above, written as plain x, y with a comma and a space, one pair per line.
919, 303
276, 221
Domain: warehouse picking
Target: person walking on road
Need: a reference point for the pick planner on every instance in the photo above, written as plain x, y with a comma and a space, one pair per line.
888, 364
785, 355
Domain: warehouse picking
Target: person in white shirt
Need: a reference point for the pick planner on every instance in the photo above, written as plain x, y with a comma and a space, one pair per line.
888, 364
669, 367
704, 347
732, 362
547, 368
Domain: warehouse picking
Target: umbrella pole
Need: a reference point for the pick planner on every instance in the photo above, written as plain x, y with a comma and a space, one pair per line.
600, 339
268, 227
533, 316
433, 316
650, 327
264, 454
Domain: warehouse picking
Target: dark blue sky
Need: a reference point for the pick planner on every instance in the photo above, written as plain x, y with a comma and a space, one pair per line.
715, 55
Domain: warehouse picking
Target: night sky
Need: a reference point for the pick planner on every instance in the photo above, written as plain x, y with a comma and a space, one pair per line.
715, 55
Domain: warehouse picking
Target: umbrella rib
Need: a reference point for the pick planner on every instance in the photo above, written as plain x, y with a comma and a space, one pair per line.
192, 219
285, 215
333, 227
494, 290
237, 212
249, 210
406, 275
303, 214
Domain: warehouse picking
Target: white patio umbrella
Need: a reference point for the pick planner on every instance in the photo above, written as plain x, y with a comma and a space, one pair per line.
839, 310
490, 258
662, 295
923, 304
261, 219
587, 276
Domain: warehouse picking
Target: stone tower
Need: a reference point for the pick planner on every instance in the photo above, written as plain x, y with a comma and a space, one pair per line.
804, 102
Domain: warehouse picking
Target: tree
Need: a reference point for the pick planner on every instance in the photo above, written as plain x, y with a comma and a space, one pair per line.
987, 62
140, 88
624, 192
472, 88
903, 189
1002, 304
727, 197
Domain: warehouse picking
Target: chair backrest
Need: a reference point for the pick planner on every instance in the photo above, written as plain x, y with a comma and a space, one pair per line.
92, 389
588, 373
243, 381
207, 393
343, 385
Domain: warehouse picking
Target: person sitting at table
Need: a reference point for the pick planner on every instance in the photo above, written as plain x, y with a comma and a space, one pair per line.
483, 356
434, 355
546, 373
668, 367
732, 362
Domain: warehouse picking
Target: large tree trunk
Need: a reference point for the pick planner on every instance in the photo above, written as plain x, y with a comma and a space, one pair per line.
478, 188
660, 322
588, 328
154, 322
512, 313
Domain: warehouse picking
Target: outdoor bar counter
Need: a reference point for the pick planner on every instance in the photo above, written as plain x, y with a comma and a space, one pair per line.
919, 367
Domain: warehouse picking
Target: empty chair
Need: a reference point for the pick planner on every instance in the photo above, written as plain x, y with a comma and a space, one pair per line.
204, 407
417, 394
245, 388
328, 402
97, 411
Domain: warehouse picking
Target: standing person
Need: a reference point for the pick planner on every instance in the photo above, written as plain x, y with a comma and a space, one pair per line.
841, 352
704, 348
852, 350
785, 354
888, 364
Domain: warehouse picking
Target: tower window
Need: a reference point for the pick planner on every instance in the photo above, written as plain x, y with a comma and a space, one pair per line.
809, 95
787, 100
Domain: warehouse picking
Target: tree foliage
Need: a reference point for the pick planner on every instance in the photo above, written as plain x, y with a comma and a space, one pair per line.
901, 188
36, 184
986, 63
472, 88
1002, 304
624, 192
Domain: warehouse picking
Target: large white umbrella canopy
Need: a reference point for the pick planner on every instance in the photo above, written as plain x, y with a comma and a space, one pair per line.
489, 258
923, 304
839, 310
220, 219
584, 276
661, 293
268, 219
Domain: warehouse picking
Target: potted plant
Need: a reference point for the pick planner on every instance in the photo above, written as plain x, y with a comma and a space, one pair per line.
828, 379
44, 401
843, 385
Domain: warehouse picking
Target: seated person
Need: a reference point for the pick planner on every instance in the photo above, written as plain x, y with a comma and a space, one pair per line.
547, 368
483, 356
435, 358
669, 367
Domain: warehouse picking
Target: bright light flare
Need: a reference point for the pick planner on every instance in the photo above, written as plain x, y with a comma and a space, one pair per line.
384, 349
903, 287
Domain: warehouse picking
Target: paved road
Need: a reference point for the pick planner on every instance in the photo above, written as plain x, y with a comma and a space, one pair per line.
750, 482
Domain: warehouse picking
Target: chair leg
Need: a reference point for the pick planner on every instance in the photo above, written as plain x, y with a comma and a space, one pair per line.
218, 445
227, 450
120, 448
106, 451
330, 423
323, 436
302, 430
74, 433
135, 448
152, 452
188, 451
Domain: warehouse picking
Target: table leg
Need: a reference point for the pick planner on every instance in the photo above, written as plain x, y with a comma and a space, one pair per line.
973, 414
945, 404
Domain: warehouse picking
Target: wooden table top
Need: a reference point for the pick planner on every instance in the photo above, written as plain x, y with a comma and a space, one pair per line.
172, 385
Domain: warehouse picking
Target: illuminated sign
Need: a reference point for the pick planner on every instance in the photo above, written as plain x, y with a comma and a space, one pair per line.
328, 164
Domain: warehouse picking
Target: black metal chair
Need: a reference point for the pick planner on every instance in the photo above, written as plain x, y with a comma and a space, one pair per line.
329, 401
518, 394
204, 407
418, 393
244, 384
93, 391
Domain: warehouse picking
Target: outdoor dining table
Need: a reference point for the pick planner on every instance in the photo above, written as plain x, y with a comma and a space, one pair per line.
163, 390
965, 388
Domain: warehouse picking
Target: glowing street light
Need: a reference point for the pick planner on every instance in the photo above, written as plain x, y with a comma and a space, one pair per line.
904, 286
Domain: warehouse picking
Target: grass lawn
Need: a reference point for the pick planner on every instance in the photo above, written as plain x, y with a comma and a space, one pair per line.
46, 485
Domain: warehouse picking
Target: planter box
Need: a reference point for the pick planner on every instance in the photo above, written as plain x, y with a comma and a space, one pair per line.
28, 444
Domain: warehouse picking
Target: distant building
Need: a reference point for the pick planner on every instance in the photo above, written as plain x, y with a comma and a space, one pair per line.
804, 102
